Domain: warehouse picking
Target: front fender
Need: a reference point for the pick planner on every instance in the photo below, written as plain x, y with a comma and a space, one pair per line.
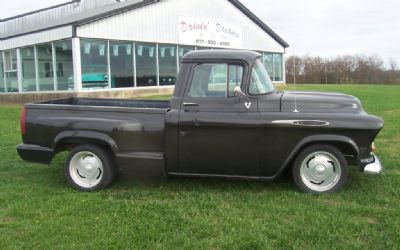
323, 138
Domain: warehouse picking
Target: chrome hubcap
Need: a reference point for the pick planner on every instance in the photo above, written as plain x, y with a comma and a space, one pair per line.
86, 169
320, 171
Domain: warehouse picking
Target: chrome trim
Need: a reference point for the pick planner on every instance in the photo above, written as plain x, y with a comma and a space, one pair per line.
317, 123
190, 104
374, 168
222, 176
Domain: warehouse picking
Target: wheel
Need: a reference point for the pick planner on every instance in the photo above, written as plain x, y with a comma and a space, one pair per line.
320, 169
89, 168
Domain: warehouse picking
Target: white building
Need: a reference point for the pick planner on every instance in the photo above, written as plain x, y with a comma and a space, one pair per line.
87, 45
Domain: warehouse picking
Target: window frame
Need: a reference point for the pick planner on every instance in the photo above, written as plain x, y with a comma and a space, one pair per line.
249, 79
228, 63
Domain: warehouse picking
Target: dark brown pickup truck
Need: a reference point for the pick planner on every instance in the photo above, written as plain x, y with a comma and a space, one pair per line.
225, 120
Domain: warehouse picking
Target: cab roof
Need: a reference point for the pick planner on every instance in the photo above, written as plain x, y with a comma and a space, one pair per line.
221, 54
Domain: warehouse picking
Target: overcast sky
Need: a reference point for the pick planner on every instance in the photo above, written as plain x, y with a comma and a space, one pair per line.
326, 28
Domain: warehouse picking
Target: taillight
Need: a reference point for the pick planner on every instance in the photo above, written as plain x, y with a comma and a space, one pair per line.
23, 121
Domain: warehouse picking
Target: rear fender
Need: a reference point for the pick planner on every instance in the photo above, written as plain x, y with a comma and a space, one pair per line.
82, 137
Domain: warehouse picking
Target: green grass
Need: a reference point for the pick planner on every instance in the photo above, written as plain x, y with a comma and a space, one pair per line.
38, 209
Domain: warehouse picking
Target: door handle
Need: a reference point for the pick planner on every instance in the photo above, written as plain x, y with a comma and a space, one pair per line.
190, 104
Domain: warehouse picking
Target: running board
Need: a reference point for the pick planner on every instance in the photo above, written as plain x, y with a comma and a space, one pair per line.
221, 176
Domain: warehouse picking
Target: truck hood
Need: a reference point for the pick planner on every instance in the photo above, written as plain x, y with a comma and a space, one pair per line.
320, 102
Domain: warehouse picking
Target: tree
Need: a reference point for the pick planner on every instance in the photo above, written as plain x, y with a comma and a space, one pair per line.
341, 70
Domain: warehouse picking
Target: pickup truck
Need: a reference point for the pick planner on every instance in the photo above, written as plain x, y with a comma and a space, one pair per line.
225, 120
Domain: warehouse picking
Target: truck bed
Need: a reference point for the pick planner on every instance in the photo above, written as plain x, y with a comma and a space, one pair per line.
96, 102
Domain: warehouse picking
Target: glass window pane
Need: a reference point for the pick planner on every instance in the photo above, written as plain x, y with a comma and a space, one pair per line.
94, 64
28, 69
278, 67
12, 81
268, 63
121, 63
2, 89
45, 67
146, 64
203, 48
11, 70
167, 64
11, 60
64, 64
183, 50
209, 80
260, 82
235, 78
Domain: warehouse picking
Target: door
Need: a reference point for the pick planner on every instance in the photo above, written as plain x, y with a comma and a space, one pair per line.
217, 132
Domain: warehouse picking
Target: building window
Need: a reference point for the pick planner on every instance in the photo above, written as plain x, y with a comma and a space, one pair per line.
28, 69
2, 87
65, 67
45, 67
183, 50
121, 64
269, 64
203, 48
278, 67
94, 55
167, 64
146, 64
11, 71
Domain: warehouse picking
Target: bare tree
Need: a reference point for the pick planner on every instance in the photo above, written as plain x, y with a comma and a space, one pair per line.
392, 64
341, 70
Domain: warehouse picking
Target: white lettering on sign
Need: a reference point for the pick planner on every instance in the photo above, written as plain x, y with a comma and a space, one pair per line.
209, 33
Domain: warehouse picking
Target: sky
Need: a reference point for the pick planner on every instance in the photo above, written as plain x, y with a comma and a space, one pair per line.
324, 28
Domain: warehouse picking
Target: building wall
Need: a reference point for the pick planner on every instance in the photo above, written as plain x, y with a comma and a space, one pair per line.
159, 23
32, 22
114, 52
136, 93
37, 38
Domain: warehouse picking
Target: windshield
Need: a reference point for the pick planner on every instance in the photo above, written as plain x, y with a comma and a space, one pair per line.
260, 81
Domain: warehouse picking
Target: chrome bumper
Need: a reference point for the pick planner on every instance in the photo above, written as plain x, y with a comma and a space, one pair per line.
374, 168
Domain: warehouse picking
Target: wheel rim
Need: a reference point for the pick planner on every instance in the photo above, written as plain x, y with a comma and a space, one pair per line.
86, 169
320, 171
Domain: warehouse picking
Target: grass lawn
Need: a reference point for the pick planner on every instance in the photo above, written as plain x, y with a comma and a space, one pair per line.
38, 209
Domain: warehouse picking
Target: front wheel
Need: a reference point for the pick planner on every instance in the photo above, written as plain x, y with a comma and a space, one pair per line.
89, 168
320, 169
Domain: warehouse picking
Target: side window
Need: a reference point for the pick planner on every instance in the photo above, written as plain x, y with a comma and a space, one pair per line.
215, 80
235, 78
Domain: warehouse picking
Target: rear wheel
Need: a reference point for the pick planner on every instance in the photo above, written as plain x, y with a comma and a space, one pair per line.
89, 168
320, 169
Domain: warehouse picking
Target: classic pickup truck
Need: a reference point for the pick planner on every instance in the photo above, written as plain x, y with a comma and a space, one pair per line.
224, 120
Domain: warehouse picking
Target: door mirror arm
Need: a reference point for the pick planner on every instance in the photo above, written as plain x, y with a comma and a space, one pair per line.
237, 91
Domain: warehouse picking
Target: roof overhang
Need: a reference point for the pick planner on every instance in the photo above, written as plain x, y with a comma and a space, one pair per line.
125, 7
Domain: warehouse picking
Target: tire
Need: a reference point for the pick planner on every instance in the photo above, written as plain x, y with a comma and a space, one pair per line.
320, 169
89, 168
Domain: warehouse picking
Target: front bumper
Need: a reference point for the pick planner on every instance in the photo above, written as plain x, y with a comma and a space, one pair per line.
34, 153
374, 167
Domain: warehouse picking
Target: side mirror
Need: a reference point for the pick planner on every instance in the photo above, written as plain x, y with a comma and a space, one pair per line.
237, 91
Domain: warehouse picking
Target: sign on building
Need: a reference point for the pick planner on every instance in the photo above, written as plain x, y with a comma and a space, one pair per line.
208, 33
